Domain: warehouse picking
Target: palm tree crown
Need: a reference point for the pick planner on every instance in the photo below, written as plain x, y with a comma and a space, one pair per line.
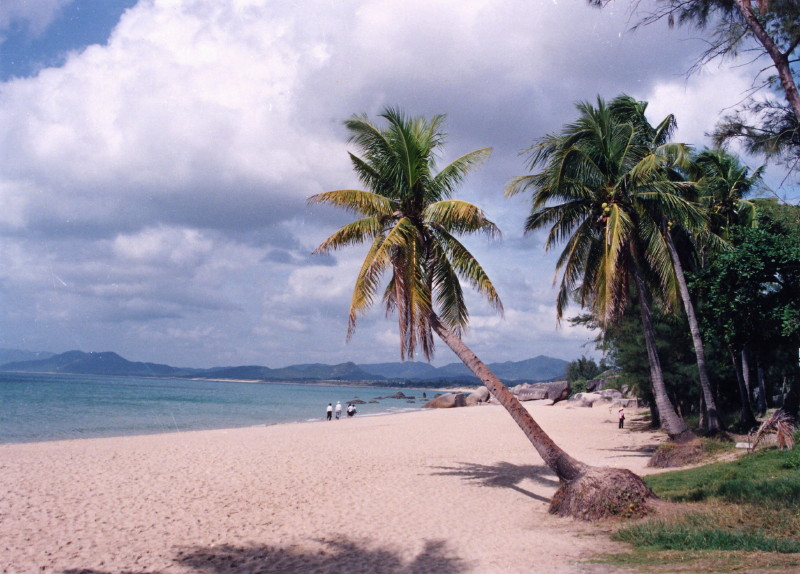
723, 182
603, 191
409, 217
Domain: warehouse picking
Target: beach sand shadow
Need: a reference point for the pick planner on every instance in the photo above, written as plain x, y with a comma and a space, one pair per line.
503, 475
341, 556
643, 450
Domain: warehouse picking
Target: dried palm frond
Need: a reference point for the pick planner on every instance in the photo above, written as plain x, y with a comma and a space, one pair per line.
780, 423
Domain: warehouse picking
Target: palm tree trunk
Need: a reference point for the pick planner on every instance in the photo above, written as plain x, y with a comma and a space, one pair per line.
713, 422
761, 404
585, 491
565, 467
672, 424
747, 420
746, 372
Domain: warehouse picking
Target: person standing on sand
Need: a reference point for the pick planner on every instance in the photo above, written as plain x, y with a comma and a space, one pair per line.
329, 410
621, 417
338, 410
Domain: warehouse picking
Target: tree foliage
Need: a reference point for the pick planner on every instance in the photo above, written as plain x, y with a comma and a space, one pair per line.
766, 30
411, 221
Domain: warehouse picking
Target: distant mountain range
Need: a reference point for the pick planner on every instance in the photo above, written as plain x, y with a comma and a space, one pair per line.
540, 368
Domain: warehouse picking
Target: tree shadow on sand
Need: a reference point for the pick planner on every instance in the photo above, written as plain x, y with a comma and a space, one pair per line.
644, 450
340, 556
503, 475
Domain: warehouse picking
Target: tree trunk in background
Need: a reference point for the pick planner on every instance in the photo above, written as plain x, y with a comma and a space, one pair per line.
747, 420
746, 373
713, 422
761, 404
780, 60
672, 424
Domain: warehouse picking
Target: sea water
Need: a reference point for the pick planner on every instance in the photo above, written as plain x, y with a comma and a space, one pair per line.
40, 407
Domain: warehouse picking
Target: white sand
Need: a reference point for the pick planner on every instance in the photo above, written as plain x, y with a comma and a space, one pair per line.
444, 491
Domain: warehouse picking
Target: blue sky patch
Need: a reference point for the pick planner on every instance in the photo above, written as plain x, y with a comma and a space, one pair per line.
78, 24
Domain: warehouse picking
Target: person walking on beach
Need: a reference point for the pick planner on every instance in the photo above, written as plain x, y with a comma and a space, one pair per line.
329, 410
351, 410
621, 417
338, 410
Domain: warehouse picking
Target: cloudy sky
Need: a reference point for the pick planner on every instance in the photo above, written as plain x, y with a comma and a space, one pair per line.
157, 155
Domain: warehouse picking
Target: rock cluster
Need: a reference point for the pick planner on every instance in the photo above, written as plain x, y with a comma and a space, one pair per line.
605, 397
554, 391
543, 393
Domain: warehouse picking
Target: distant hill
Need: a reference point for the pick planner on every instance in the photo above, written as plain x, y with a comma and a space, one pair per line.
78, 362
312, 372
15, 355
540, 368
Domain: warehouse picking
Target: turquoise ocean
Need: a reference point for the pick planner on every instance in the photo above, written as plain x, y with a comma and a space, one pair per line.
43, 407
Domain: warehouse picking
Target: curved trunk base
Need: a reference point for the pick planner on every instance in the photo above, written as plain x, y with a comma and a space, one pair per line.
603, 493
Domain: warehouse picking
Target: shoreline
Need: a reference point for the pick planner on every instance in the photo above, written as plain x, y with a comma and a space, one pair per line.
458, 490
217, 429
310, 382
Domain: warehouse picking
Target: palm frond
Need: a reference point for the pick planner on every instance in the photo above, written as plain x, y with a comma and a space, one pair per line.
467, 267
782, 425
355, 232
457, 216
367, 282
445, 183
355, 201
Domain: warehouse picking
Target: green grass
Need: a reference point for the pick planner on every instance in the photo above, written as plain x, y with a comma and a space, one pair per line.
769, 477
705, 531
729, 510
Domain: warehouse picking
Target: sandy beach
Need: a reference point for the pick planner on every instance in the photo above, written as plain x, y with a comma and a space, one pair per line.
443, 491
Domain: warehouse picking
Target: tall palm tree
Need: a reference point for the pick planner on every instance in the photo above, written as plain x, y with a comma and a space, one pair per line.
603, 191
411, 221
630, 109
723, 183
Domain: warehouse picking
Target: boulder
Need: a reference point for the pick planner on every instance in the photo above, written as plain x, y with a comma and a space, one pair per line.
447, 401
586, 399
478, 396
554, 391
611, 394
596, 385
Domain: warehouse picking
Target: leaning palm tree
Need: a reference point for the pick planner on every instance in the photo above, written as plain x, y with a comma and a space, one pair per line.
410, 219
603, 191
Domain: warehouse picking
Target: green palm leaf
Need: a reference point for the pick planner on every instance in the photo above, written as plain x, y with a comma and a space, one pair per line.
355, 201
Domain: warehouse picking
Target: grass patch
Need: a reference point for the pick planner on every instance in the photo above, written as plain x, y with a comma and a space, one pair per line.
648, 561
742, 515
705, 531
769, 477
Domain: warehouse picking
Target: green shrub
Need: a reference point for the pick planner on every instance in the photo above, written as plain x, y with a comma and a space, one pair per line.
578, 386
